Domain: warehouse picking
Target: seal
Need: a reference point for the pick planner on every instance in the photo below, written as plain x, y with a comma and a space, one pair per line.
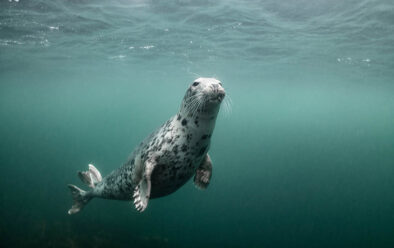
166, 159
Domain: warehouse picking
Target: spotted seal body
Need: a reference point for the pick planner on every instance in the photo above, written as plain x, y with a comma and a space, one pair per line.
166, 159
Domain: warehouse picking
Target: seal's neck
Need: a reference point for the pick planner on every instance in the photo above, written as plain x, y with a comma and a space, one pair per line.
202, 119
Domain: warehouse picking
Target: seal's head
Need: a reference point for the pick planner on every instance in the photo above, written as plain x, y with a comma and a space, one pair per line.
203, 97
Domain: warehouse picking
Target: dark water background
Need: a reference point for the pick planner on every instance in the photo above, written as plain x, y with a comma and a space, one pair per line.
305, 159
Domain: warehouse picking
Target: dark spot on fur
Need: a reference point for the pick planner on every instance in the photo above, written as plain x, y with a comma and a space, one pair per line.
179, 117
184, 122
205, 136
166, 153
175, 149
184, 148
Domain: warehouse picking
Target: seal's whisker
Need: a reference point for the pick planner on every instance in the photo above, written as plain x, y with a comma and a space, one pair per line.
197, 107
229, 99
191, 99
193, 102
194, 96
195, 112
193, 106
227, 106
203, 103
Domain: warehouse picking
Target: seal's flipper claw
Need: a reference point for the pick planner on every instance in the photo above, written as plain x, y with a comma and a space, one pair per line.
142, 191
141, 195
203, 173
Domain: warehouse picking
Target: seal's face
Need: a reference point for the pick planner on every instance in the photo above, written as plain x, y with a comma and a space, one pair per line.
204, 96
210, 89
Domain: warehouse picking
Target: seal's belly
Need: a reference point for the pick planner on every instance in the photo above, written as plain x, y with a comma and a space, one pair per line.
167, 178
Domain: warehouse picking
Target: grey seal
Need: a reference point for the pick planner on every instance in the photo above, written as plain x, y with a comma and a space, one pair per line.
166, 159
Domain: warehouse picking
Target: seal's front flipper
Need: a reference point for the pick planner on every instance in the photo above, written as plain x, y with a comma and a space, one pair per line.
203, 173
142, 190
90, 177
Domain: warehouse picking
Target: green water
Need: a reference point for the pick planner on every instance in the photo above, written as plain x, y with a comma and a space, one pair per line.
304, 159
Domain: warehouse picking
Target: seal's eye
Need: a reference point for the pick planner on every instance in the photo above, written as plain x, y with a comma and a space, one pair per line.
196, 83
220, 84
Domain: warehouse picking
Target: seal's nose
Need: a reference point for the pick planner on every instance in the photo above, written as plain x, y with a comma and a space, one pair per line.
220, 96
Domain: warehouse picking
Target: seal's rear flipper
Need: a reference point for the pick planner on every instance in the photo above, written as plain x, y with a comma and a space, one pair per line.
90, 177
80, 198
203, 173
142, 190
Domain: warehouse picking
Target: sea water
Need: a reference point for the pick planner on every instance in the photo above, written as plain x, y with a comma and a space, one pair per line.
303, 158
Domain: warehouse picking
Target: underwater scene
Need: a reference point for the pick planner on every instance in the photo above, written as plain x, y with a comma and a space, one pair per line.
301, 153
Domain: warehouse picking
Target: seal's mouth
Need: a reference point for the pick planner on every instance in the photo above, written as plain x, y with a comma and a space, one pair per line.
218, 98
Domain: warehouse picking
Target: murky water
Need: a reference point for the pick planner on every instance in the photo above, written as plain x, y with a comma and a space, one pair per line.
305, 158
